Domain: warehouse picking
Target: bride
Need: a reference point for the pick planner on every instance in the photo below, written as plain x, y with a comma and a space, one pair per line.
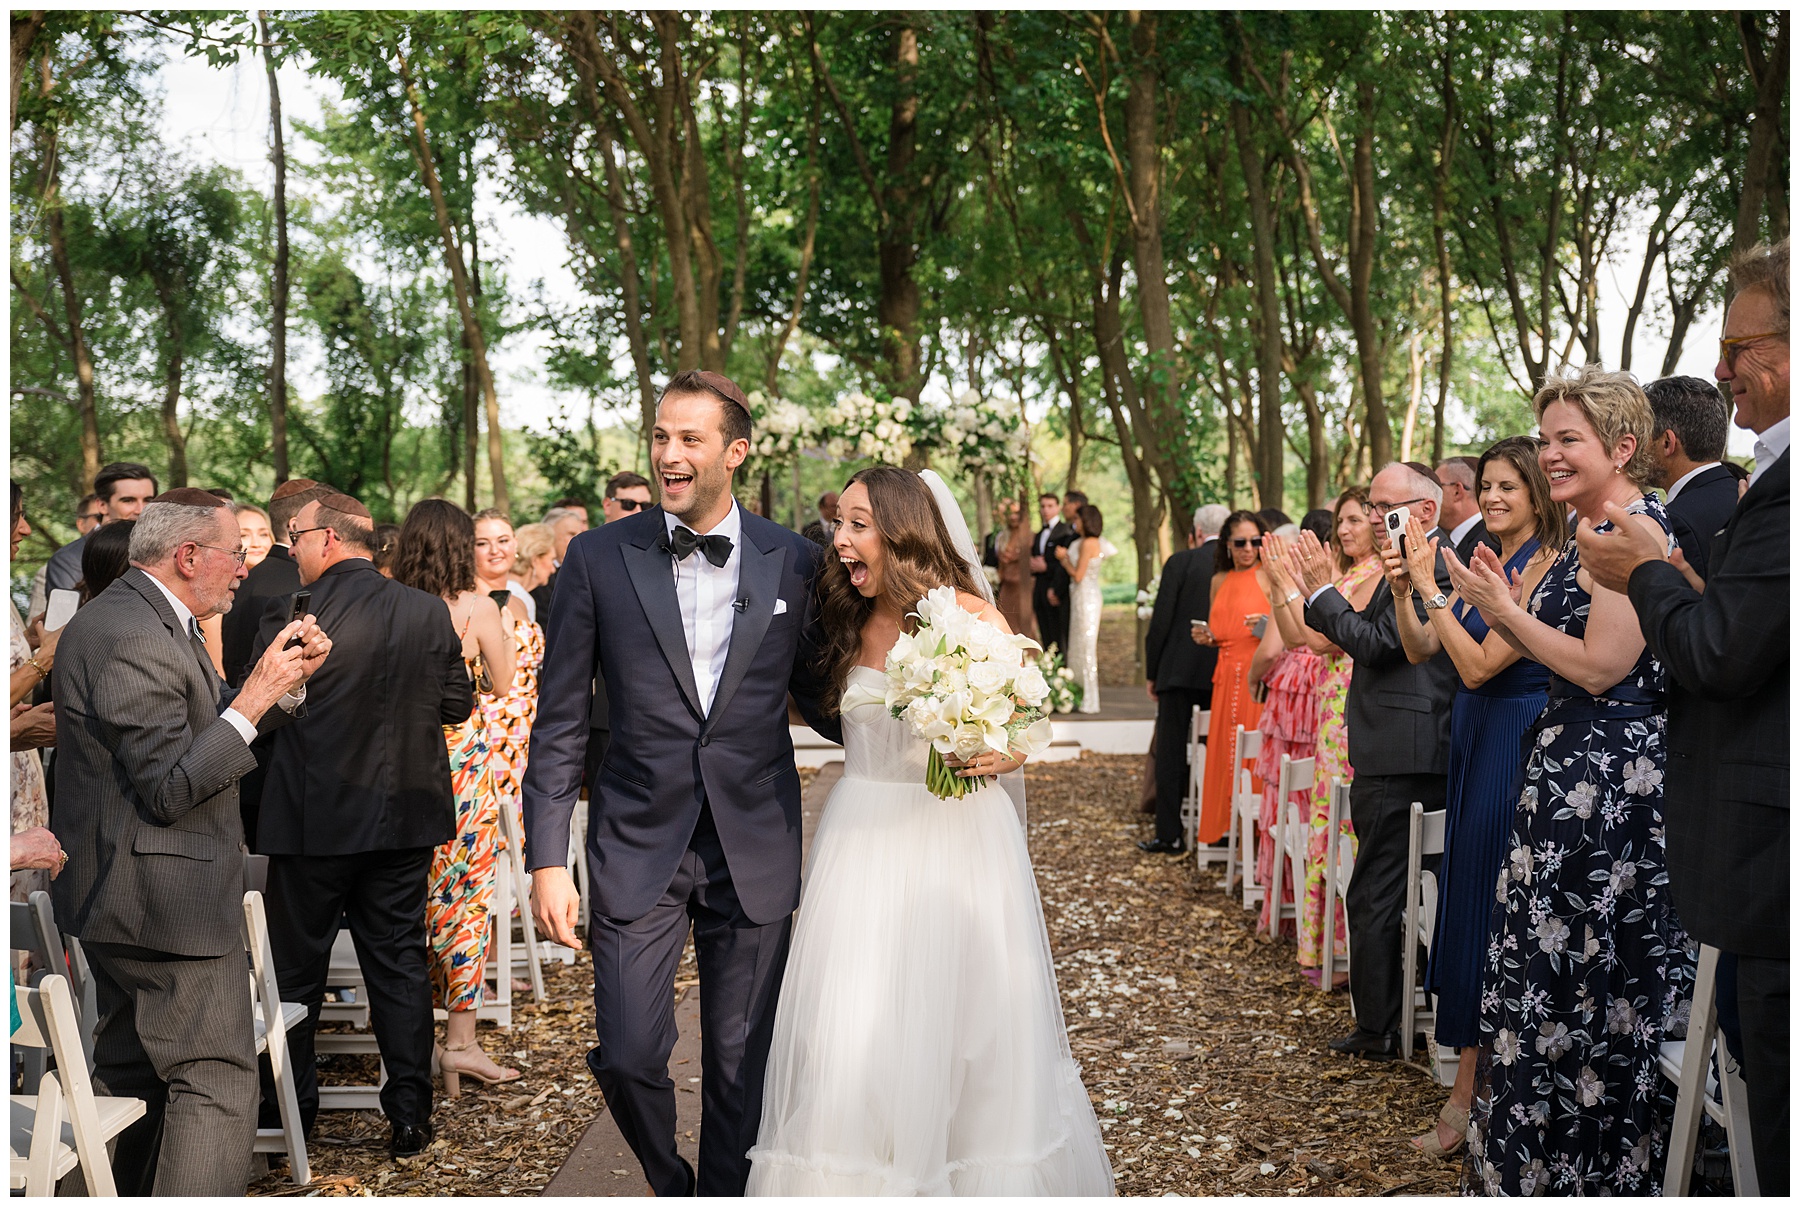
919, 1046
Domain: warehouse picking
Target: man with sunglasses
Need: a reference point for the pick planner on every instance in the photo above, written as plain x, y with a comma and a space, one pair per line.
626, 494
1397, 718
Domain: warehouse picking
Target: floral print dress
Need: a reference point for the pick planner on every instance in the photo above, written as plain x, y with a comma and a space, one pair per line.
1290, 723
1332, 758
30, 802
1588, 970
509, 718
459, 904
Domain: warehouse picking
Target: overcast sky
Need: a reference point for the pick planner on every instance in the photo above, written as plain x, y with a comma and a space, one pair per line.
222, 114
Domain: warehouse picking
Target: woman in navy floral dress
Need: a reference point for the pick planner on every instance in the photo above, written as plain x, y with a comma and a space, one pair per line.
1588, 971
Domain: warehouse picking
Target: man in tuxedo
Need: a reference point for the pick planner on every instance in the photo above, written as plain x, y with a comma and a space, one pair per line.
1461, 516
356, 796
700, 619
1689, 446
152, 746
1726, 651
1398, 718
1178, 672
124, 488
275, 575
1050, 582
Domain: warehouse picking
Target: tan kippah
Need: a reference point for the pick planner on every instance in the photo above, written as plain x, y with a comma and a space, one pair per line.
343, 505
292, 486
190, 496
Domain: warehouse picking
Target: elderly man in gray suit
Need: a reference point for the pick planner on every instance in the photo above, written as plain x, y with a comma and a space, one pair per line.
151, 747
1397, 718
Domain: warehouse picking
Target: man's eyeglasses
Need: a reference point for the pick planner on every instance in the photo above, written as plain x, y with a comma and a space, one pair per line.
1255, 542
237, 554
1381, 509
294, 534
1729, 348
629, 504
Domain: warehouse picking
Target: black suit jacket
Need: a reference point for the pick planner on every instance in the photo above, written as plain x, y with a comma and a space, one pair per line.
616, 616
1055, 577
1697, 514
276, 575
1726, 652
1397, 714
148, 769
1478, 535
1171, 659
367, 769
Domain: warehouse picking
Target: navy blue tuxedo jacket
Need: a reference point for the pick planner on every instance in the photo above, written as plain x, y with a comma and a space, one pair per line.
616, 616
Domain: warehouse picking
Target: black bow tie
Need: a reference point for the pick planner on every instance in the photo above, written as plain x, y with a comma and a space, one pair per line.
684, 541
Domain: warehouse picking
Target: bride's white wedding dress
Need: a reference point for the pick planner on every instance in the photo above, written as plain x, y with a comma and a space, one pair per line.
919, 1044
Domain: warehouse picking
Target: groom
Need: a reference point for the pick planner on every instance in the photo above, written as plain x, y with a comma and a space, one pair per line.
699, 619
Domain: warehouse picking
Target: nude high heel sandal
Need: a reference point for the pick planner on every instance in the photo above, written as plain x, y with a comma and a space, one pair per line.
453, 1075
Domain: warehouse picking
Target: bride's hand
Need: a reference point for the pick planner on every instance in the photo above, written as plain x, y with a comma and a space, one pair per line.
986, 763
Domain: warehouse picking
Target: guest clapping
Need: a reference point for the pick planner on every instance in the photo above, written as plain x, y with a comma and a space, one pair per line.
1501, 695
1588, 963
1238, 598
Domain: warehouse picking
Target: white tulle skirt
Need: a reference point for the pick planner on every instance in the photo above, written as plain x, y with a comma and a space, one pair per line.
919, 1045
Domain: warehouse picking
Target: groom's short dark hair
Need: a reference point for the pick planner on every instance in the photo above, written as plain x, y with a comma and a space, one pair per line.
734, 414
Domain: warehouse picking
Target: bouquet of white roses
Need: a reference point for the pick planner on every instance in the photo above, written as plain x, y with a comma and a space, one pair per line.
965, 686
1065, 688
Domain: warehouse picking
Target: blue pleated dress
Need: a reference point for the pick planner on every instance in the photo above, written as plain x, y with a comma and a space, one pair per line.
1487, 725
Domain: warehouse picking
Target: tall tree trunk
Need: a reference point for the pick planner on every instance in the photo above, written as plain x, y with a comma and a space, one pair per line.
1440, 240
660, 147
898, 306
1415, 390
630, 298
1142, 106
168, 293
25, 27
65, 276
807, 240
278, 291
1769, 72
459, 281
471, 420
1268, 303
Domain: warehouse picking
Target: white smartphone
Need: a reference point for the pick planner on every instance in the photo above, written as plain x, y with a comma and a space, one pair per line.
61, 608
1396, 521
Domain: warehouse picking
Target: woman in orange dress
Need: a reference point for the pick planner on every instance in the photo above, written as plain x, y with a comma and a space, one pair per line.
1238, 597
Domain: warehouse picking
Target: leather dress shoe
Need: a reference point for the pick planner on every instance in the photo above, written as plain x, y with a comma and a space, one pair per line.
1156, 846
1368, 1044
410, 1141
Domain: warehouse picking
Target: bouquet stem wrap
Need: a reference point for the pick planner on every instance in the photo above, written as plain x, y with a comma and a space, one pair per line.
943, 781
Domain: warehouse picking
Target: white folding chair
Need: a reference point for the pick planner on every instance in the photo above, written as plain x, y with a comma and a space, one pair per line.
1240, 827
1291, 832
64, 1125
578, 864
1700, 1066
1340, 864
1424, 836
274, 1019
1198, 724
34, 929
344, 975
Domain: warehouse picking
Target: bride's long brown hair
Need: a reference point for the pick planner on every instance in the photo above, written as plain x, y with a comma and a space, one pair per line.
919, 557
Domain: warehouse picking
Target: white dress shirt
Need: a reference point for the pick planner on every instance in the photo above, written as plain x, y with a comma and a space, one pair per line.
1463, 529
184, 615
1684, 479
707, 593
1768, 447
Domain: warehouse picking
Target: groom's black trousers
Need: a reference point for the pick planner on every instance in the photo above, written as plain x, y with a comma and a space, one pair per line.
634, 1008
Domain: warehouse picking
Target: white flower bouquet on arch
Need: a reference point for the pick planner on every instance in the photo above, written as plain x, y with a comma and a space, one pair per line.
965, 685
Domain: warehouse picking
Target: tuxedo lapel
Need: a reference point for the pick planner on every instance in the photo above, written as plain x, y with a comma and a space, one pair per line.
202, 667
653, 577
759, 581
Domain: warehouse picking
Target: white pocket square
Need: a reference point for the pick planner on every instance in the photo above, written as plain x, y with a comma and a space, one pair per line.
780, 607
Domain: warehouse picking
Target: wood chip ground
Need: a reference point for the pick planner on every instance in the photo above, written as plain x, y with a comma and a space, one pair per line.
1201, 1046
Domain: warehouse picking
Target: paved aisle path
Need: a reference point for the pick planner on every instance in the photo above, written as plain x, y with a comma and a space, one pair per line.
600, 1165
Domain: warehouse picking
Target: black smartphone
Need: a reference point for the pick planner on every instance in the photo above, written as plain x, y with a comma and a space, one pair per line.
302, 601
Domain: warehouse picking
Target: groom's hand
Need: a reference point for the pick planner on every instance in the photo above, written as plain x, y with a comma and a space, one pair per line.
555, 905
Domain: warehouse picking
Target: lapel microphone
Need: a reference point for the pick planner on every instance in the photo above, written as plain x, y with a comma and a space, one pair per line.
740, 605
